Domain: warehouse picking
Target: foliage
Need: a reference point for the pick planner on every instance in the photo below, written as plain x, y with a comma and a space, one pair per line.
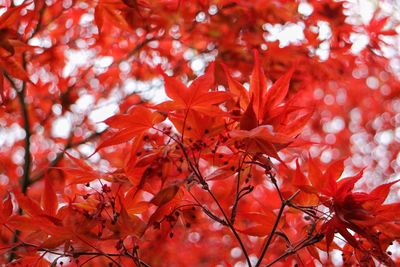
265, 150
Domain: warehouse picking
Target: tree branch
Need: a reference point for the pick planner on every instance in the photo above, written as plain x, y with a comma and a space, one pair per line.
273, 231
305, 243
235, 233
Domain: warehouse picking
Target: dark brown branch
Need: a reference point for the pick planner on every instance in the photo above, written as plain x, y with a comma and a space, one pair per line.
205, 186
305, 243
27, 129
83, 253
235, 233
272, 233
25, 179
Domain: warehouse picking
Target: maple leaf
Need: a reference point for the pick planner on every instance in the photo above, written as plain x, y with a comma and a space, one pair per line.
268, 124
216, 133
375, 30
357, 211
197, 97
139, 120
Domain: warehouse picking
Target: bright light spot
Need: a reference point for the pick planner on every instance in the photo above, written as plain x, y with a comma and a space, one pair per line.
103, 113
201, 16
334, 126
103, 62
372, 82
4, 180
61, 127
18, 156
197, 65
213, 10
75, 58
360, 41
18, 2
86, 149
8, 136
86, 18
285, 34
341, 97
325, 31
189, 54
194, 237
83, 103
253, 260
385, 137
236, 252
318, 93
336, 256
323, 50
125, 66
305, 9
394, 249
326, 156
57, 109
329, 99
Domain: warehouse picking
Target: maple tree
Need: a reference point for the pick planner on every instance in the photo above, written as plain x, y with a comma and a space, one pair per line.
232, 133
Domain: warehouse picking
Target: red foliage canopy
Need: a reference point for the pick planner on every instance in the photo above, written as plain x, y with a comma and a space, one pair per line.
199, 133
